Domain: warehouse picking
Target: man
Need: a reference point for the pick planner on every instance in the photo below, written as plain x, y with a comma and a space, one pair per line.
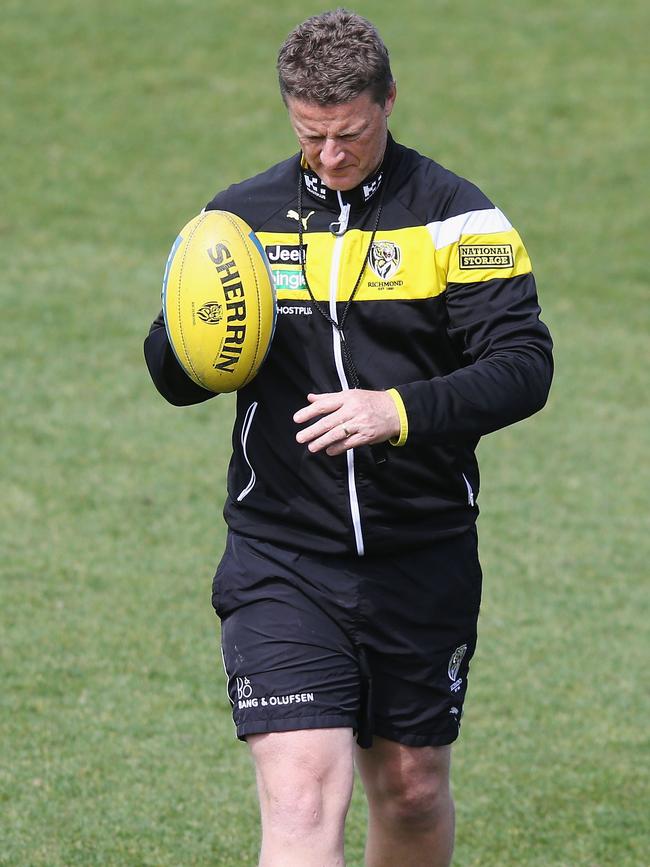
349, 589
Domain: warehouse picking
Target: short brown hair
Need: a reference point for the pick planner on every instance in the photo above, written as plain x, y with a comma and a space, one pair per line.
332, 58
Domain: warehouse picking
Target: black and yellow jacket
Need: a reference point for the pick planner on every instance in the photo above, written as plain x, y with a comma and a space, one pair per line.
445, 313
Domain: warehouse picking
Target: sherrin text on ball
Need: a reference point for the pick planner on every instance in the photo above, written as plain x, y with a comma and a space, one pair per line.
218, 301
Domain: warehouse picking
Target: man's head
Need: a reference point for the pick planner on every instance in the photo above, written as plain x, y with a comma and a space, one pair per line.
332, 58
336, 82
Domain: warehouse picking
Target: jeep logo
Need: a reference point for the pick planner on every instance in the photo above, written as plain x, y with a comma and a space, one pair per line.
286, 253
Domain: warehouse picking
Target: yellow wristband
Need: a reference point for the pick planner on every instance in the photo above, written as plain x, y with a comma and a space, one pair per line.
400, 439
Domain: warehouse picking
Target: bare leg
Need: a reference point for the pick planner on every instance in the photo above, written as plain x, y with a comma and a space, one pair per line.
304, 783
411, 811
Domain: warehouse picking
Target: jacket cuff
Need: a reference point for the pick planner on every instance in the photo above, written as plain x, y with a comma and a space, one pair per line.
401, 438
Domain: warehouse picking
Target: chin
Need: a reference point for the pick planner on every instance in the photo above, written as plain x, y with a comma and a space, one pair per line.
340, 186
342, 183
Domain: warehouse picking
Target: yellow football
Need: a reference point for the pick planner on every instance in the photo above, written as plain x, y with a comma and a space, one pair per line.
218, 301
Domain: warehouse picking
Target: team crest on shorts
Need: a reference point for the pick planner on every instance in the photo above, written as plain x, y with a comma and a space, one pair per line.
453, 668
384, 258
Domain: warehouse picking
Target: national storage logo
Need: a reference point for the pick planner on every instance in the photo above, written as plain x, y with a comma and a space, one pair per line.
485, 256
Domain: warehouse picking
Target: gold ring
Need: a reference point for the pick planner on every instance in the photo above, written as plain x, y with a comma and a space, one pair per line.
346, 431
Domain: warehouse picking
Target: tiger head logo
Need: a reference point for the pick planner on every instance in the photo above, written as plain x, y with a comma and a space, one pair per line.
210, 312
384, 259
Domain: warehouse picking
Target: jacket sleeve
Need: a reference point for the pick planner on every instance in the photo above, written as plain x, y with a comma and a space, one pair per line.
493, 321
168, 376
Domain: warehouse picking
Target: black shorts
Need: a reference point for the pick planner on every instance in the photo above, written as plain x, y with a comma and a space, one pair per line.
380, 644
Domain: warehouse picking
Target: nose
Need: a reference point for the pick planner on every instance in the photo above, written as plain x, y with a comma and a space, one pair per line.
332, 154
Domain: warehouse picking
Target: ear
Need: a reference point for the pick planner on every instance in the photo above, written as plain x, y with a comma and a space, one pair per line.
390, 99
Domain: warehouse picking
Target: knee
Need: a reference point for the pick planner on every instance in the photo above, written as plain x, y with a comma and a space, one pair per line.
293, 806
416, 800
412, 793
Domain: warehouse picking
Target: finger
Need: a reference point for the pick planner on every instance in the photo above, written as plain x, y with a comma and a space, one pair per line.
342, 446
319, 404
331, 426
337, 436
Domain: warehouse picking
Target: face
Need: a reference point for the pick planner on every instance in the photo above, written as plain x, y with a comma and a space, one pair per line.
342, 143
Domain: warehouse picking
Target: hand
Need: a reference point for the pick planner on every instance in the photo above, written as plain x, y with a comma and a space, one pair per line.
348, 419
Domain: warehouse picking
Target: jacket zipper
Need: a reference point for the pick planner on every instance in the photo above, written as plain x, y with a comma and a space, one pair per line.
338, 359
245, 430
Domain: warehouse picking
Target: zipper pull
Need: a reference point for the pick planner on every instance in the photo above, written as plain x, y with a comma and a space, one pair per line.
339, 227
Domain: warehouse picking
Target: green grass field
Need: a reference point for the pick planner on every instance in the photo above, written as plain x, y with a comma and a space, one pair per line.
119, 121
